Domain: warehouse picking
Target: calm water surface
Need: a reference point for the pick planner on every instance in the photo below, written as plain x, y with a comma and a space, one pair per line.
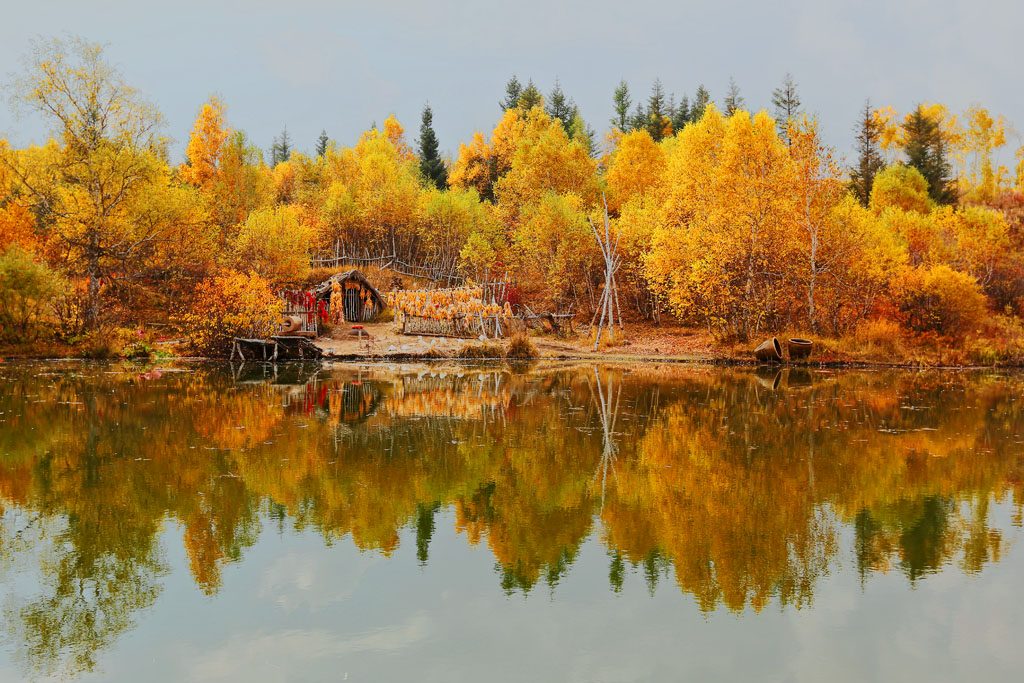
544, 523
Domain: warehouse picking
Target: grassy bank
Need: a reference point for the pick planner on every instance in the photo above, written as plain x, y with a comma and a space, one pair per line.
878, 345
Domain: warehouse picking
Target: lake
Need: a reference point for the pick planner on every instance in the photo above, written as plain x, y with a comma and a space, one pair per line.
550, 522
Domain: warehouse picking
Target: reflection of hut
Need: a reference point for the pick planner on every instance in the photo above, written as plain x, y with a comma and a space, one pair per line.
354, 402
361, 302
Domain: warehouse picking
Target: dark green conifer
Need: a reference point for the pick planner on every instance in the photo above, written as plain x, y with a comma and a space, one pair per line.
431, 164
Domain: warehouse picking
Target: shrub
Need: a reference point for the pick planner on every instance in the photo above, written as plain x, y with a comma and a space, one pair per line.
941, 301
140, 345
69, 309
26, 288
485, 350
900, 186
880, 335
520, 346
229, 305
1003, 343
105, 342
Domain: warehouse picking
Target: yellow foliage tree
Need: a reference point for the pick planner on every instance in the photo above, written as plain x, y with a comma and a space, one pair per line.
473, 167
395, 134
1020, 169
109, 156
819, 189
730, 222
275, 243
283, 179
937, 299
545, 160
555, 249
387, 191
242, 184
228, 305
984, 135
448, 220
863, 256
206, 144
637, 164
902, 187
973, 240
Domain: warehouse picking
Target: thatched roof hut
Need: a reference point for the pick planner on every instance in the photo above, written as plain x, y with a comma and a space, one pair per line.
361, 300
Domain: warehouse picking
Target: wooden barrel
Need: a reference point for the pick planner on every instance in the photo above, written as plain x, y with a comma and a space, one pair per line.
290, 324
799, 348
770, 351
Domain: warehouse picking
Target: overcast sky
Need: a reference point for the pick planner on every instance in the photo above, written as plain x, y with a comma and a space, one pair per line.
313, 64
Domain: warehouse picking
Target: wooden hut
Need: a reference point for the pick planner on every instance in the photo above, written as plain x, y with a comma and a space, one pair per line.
361, 302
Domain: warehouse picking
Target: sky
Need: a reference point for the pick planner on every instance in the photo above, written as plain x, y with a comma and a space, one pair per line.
341, 66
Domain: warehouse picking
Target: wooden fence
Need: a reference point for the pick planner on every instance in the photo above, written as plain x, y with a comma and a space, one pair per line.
391, 262
461, 325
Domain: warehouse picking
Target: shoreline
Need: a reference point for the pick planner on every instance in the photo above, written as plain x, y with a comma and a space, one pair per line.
642, 344
645, 359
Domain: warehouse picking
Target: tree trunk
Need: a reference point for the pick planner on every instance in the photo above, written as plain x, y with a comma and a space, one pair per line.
744, 316
814, 274
93, 265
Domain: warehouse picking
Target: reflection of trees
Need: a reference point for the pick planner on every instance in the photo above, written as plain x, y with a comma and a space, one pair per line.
87, 599
608, 411
733, 487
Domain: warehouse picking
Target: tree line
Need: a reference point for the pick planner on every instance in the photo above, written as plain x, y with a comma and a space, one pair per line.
743, 223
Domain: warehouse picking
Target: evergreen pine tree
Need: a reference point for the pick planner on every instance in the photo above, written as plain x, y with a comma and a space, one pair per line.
530, 97
786, 101
701, 100
285, 145
513, 89
560, 107
321, 143
733, 100
925, 147
639, 118
281, 149
682, 115
657, 111
622, 102
582, 133
431, 164
869, 155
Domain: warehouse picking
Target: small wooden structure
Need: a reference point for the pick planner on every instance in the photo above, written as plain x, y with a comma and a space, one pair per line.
274, 349
463, 325
301, 313
456, 312
361, 302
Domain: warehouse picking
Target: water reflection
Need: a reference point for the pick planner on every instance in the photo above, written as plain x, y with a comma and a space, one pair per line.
736, 485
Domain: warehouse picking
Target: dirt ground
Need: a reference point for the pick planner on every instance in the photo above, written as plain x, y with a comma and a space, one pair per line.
646, 341
384, 339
